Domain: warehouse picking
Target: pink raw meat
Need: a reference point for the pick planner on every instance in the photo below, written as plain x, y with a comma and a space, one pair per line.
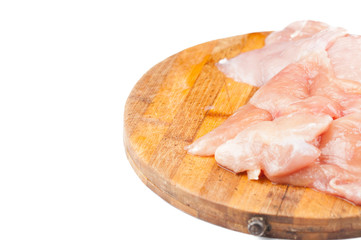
339, 167
289, 86
341, 144
327, 178
244, 117
345, 55
296, 30
278, 147
258, 66
315, 104
347, 93
289, 91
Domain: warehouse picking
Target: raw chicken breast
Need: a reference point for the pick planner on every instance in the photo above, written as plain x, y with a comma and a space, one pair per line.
341, 144
315, 105
316, 176
244, 117
277, 147
258, 66
289, 89
324, 85
296, 30
326, 178
338, 170
347, 186
346, 93
345, 55
352, 104
342, 79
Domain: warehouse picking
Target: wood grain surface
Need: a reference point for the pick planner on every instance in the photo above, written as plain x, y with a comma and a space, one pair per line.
181, 99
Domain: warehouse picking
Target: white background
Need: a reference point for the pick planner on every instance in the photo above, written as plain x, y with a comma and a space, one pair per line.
66, 69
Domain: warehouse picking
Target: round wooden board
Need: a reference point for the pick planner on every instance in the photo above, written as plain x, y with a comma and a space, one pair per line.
183, 98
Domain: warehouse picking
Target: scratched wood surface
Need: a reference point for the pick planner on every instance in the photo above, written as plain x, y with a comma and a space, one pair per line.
183, 98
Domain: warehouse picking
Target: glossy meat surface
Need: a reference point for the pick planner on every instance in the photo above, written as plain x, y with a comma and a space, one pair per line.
287, 87
244, 117
291, 85
315, 105
346, 93
338, 169
258, 66
341, 144
277, 147
345, 55
296, 30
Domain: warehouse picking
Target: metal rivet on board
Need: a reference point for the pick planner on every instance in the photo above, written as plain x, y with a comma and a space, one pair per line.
257, 226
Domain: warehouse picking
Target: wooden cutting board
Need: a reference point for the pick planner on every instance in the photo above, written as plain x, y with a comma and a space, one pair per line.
183, 98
